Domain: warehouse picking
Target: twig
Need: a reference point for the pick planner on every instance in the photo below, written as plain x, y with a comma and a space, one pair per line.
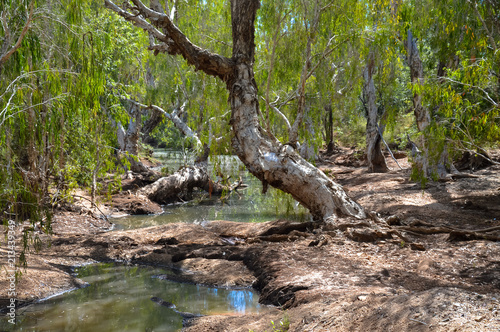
105, 217
418, 321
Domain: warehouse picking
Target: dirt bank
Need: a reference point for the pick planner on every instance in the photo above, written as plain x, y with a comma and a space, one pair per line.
407, 276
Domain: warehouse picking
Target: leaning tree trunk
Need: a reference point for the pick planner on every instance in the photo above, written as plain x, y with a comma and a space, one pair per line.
265, 157
376, 160
273, 163
435, 164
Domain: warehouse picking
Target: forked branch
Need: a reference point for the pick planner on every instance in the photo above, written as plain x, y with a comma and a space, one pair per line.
173, 41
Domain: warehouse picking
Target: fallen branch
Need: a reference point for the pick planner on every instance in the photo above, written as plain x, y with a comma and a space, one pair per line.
94, 204
387, 146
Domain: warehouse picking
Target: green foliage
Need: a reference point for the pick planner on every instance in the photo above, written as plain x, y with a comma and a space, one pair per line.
55, 131
283, 325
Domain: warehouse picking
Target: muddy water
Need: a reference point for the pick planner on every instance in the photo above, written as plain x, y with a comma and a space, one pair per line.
247, 205
118, 298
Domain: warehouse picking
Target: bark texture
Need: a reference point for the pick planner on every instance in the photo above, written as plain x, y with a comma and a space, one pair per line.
376, 159
417, 76
265, 157
273, 163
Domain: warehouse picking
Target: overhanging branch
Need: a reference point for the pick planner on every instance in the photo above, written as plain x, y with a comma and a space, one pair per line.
6, 56
176, 42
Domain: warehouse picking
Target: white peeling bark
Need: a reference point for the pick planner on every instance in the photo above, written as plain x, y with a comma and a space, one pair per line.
180, 185
279, 165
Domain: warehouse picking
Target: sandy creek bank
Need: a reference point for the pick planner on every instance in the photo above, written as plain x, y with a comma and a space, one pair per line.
321, 278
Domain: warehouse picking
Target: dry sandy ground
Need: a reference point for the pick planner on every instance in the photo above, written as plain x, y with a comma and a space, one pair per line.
417, 274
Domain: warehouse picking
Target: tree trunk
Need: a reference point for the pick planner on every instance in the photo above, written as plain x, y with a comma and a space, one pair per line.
155, 118
181, 185
267, 159
435, 164
128, 140
376, 160
417, 76
330, 148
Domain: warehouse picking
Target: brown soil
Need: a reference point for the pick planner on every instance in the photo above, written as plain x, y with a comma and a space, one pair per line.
420, 273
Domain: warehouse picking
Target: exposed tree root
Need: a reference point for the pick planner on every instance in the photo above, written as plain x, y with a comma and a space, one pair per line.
455, 234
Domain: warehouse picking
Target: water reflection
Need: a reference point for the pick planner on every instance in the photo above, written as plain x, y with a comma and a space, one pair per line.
118, 298
250, 205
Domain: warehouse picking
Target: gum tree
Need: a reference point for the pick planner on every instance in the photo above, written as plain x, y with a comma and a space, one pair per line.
265, 157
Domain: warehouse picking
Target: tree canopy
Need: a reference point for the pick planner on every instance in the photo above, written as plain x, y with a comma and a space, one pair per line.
68, 68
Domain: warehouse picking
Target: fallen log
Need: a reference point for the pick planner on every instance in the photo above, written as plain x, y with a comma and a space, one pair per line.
181, 185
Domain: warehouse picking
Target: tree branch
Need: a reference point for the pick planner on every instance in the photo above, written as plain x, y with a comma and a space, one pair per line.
178, 123
14, 48
485, 27
289, 127
177, 42
487, 98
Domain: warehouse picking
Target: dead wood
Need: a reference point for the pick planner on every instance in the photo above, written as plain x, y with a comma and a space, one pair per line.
181, 185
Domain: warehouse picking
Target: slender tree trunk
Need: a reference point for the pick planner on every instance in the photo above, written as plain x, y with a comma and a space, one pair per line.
417, 76
95, 171
433, 163
329, 129
275, 39
62, 159
376, 159
155, 118
129, 139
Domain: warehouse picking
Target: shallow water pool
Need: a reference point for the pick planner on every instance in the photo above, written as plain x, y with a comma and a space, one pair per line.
118, 298
245, 205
